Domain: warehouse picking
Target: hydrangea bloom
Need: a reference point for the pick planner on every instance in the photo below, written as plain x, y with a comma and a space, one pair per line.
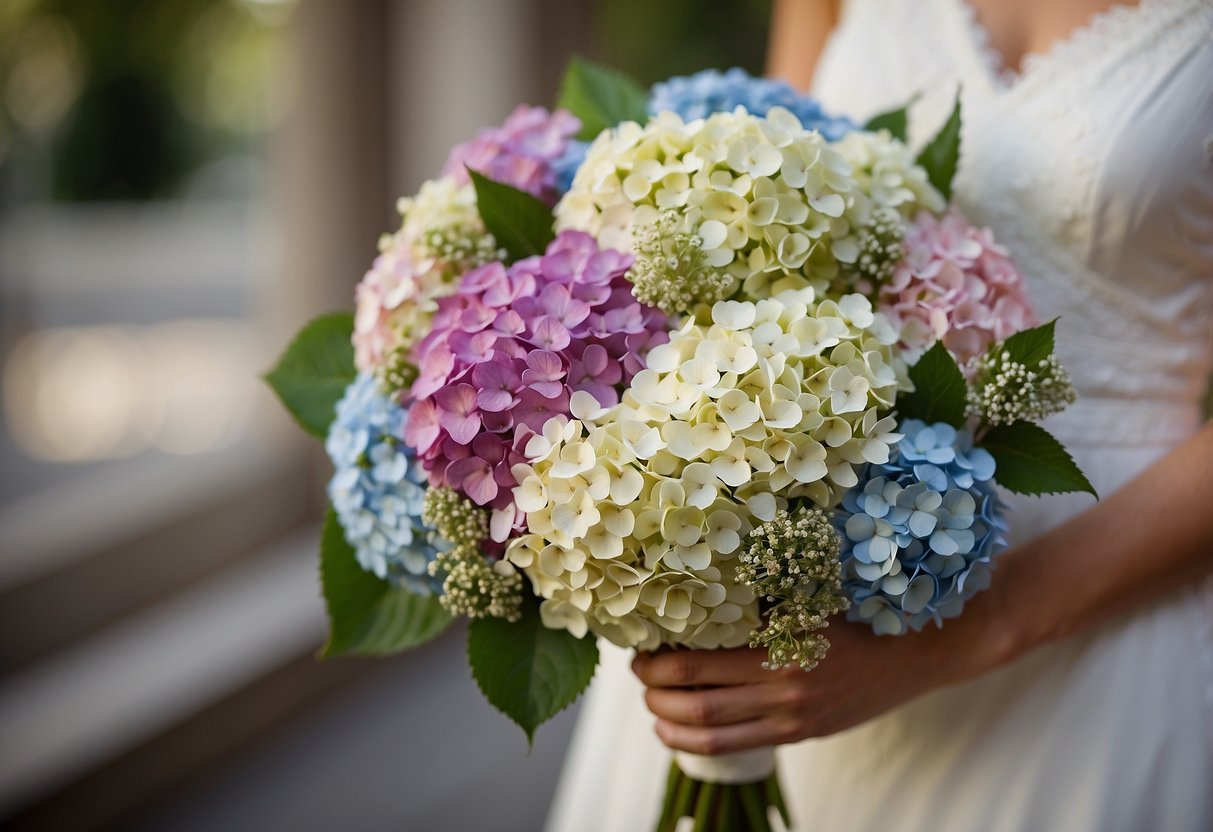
507, 352
920, 530
954, 284
712, 91
441, 236
378, 488
886, 171
765, 199
635, 513
529, 151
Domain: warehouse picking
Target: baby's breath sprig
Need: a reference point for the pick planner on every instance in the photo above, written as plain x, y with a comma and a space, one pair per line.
477, 589
472, 585
455, 518
460, 249
880, 245
671, 271
792, 561
1005, 391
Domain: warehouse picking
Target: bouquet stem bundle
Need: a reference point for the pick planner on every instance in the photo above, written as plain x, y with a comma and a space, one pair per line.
721, 807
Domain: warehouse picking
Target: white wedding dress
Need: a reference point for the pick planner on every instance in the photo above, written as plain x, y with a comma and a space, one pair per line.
1095, 167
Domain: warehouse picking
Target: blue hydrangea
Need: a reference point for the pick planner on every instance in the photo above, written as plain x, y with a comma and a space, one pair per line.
378, 488
919, 532
712, 91
565, 166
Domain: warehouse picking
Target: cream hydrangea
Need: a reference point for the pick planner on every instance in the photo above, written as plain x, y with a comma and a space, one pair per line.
886, 176
441, 236
636, 513
763, 198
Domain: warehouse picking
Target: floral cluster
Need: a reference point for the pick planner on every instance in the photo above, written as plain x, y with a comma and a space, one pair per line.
378, 487
765, 199
712, 91
636, 513
473, 585
528, 151
508, 350
956, 285
671, 270
441, 236
792, 562
920, 530
888, 175
1005, 391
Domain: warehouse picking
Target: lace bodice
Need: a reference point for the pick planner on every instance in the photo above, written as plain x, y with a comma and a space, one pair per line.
1095, 169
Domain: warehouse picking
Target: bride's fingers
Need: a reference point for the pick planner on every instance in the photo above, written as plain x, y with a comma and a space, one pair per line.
721, 739
689, 668
714, 706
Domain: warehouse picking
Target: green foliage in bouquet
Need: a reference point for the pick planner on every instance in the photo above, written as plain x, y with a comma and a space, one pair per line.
521, 224
895, 121
601, 98
314, 371
941, 156
527, 671
1029, 460
939, 389
367, 615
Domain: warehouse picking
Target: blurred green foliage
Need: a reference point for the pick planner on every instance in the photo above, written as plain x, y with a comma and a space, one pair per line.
654, 39
124, 100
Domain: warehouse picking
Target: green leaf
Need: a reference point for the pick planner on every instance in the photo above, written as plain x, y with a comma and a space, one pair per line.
521, 224
525, 670
939, 389
1030, 461
314, 371
1031, 346
601, 98
895, 121
941, 156
367, 615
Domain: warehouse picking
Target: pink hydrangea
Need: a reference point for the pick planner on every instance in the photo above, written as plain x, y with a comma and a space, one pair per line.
507, 352
956, 284
440, 237
380, 314
521, 152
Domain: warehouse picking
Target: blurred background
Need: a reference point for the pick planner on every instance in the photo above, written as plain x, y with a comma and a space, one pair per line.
183, 183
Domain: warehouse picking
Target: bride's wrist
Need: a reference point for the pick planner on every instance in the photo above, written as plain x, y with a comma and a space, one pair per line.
1002, 623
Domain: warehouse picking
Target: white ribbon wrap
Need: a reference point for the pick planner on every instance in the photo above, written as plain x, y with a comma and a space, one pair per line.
750, 766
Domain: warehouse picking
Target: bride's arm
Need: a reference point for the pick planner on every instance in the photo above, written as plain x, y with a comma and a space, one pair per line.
1148, 538
799, 29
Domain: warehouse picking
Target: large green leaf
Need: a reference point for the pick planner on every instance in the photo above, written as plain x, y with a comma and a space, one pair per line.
314, 371
1031, 346
528, 672
367, 615
521, 224
895, 121
1030, 461
941, 156
601, 97
939, 389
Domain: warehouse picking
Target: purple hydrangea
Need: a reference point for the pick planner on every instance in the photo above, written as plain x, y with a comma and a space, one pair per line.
510, 348
712, 91
529, 151
919, 531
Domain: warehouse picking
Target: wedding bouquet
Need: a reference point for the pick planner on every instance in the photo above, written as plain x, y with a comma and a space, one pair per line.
700, 366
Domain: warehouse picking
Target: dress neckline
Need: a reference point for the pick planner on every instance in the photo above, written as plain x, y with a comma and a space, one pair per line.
1008, 78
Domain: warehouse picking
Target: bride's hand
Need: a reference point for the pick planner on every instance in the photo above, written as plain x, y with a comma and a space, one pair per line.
717, 701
